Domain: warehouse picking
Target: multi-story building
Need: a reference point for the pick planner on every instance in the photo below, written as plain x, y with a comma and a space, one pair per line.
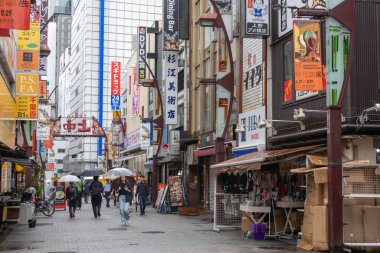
111, 31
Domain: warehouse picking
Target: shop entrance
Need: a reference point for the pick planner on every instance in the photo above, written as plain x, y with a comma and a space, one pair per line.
193, 186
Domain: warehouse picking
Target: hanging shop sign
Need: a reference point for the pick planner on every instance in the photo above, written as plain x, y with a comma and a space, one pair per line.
30, 39
135, 93
51, 155
4, 177
44, 37
307, 56
146, 135
337, 45
77, 127
222, 100
171, 30
253, 135
27, 60
42, 93
27, 107
115, 85
174, 142
115, 134
15, 14
171, 87
256, 22
133, 140
43, 123
27, 84
142, 53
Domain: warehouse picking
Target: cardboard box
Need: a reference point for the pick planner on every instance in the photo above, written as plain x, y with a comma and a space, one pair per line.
321, 176
296, 218
366, 201
325, 194
371, 218
353, 226
350, 202
320, 229
308, 224
354, 175
280, 219
315, 196
246, 224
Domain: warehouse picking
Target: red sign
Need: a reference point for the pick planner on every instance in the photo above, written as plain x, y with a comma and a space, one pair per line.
115, 78
15, 14
60, 196
77, 127
288, 91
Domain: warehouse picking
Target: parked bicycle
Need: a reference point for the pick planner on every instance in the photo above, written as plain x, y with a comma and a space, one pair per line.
44, 206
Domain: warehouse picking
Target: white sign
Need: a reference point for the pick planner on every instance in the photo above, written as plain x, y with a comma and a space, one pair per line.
305, 94
253, 135
100, 162
51, 156
257, 18
174, 142
43, 123
133, 140
145, 135
171, 87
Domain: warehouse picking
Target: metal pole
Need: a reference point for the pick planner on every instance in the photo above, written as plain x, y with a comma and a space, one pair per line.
185, 94
154, 180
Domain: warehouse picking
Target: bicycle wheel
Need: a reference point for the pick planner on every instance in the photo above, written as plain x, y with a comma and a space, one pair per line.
48, 210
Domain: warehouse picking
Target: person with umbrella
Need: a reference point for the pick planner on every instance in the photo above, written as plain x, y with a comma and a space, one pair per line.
96, 189
125, 199
71, 196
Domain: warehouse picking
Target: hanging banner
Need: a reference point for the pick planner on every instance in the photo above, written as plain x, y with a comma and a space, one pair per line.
27, 60
171, 87
222, 104
115, 85
43, 123
307, 56
42, 93
142, 53
145, 135
171, 32
135, 93
174, 136
256, 18
15, 14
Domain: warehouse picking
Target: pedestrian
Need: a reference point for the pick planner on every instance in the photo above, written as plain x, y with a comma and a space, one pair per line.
142, 192
71, 196
96, 190
79, 186
107, 192
86, 191
125, 199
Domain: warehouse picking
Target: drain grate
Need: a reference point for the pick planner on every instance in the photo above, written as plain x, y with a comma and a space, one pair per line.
43, 224
116, 229
153, 232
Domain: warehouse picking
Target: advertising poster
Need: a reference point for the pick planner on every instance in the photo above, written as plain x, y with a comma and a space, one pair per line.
27, 60
142, 53
257, 18
115, 85
171, 32
43, 123
307, 56
288, 91
176, 191
60, 197
145, 135
171, 87
15, 14
174, 142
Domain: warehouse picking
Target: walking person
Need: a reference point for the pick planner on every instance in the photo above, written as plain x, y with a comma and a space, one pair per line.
79, 186
71, 196
86, 192
125, 199
107, 192
142, 192
96, 190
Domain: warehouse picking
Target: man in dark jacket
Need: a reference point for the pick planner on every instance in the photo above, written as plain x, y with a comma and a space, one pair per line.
71, 196
96, 190
142, 191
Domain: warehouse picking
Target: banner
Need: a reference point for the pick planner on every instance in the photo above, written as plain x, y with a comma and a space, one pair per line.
142, 53
171, 32
307, 56
171, 87
135, 93
43, 123
174, 141
30, 39
145, 135
256, 18
15, 14
42, 93
27, 60
115, 85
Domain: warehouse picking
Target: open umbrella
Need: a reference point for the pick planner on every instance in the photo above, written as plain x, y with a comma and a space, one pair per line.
91, 173
69, 178
118, 172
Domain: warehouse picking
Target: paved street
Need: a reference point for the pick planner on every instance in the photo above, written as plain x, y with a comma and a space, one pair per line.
151, 233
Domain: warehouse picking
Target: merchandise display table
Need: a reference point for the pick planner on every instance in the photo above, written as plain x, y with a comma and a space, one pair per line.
288, 207
251, 210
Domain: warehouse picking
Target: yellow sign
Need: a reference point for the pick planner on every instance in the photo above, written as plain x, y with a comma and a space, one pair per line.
27, 107
7, 102
27, 84
4, 177
29, 39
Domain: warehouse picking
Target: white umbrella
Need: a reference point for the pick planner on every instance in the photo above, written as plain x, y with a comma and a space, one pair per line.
118, 172
69, 178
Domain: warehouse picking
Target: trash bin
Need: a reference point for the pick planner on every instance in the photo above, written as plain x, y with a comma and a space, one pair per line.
26, 212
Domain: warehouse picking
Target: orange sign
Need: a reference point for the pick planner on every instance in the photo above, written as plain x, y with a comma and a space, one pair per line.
27, 107
15, 14
307, 55
42, 90
27, 60
27, 84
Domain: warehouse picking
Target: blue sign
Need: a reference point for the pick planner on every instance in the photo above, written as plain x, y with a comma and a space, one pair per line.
115, 102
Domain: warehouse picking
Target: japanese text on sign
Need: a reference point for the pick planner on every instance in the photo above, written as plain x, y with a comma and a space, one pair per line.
14, 14
115, 86
171, 77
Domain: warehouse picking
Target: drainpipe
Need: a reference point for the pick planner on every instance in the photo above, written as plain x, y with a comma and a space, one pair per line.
101, 63
185, 95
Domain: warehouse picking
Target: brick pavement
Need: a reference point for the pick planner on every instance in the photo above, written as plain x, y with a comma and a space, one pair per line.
83, 234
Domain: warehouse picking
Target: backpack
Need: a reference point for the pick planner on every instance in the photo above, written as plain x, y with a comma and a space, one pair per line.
96, 188
72, 192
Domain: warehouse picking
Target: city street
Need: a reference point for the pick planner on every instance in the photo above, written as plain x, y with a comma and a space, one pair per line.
151, 233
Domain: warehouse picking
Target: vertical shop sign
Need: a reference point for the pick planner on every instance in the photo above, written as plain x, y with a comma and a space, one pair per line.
171, 32
174, 142
307, 56
142, 53
14, 14
43, 123
43, 37
171, 87
42, 94
256, 18
145, 135
136, 93
30, 39
27, 95
222, 104
115, 85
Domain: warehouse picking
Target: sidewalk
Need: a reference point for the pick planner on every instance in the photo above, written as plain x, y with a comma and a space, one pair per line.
150, 233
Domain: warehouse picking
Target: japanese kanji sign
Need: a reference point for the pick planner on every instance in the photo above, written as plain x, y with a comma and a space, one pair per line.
115, 85
77, 127
14, 14
30, 39
307, 56
27, 84
171, 87
27, 107
256, 18
142, 53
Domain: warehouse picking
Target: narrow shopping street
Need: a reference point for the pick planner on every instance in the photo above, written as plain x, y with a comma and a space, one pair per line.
151, 233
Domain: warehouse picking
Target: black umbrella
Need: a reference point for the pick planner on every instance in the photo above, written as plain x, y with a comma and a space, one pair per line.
91, 173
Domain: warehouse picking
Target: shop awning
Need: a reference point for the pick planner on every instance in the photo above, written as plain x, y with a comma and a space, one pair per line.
9, 155
321, 160
255, 159
148, 165
170, 159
